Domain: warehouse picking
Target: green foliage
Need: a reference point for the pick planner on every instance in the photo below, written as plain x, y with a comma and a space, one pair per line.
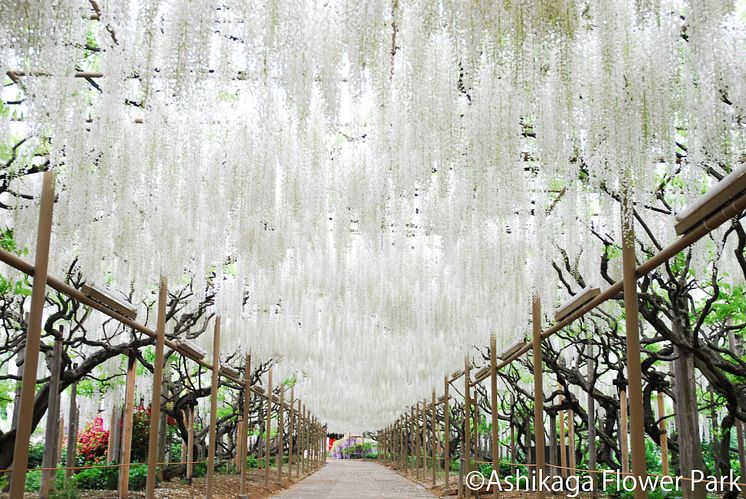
97, 478
106, 478
252, 462
35, 455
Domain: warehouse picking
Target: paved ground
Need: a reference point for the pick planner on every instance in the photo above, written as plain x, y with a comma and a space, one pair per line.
347, 479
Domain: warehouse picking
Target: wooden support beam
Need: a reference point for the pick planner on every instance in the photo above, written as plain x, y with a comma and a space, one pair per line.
212, 443
664, 434
623, 425
244, 433
433, 439
300, 441
129, 411
447, 437
268, 429
571, 438
538, 362
49, 459
155, 401
592, 420
280, 433
466, 445
632, 330
495, 416
190, 446
33, 339
562, 445
291, 429
72, 429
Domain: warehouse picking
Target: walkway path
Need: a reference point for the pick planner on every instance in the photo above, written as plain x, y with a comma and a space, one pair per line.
348, 479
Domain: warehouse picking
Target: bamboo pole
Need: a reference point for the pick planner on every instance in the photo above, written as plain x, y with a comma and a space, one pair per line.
493, 406
268, 429
281, 431
632, 329
155, 404
213, 409
245, 428
538, 395
53, 415
129, 411
33, 339
664, 434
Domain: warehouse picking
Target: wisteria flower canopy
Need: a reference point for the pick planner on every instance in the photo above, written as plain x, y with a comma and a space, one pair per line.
377, 185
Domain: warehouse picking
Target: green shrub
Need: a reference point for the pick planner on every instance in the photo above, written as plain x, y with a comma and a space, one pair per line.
199, 470
35, 455
105, 478
33, 480
97, 479
252, 462
138, 476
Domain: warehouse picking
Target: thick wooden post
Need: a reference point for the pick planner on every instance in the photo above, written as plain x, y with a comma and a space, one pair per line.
300, 442
155, 401
129, 411
190, 446
623, 426
401, 443
513, 455
53, 420
447, 436
213, 409
291, 429
571, 438
433, 439
664, 434
243, 437
33, 339
592, 419
493, 407
539, 440
268, 429
114, 437
735, 348
413, 439
280, 432
562, 446
632, 329
466, 467
72, 430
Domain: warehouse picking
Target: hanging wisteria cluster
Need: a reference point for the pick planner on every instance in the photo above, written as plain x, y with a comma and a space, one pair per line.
378, 185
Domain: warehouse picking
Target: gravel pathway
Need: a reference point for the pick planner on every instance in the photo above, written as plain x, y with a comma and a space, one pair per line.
348, 479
